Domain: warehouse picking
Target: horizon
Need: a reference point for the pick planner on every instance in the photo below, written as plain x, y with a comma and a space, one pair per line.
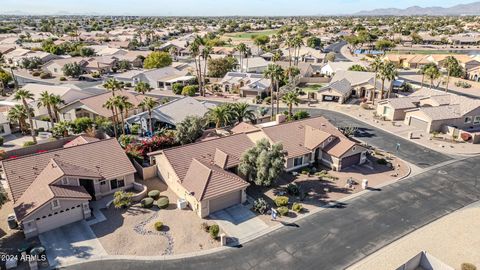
210, 8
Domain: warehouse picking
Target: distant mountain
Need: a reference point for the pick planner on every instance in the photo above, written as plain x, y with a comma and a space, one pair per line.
463, 9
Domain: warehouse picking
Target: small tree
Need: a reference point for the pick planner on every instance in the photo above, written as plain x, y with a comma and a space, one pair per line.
72, 70
330, 57
217, 68
122, 199
157, 60
189, 90
189, 130
263, 163
177, 88
314, 42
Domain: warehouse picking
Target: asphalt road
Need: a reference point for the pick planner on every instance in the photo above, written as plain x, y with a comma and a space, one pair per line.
336, 47
338, 237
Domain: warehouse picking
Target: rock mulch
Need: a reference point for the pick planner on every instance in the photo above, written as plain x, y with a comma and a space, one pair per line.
141, 228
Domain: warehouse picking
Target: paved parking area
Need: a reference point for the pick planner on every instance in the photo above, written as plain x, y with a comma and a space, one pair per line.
71, 243
238, 221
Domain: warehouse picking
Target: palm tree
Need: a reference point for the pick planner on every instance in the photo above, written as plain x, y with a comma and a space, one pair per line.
297, 43
423, 70
196, 52
221, 115
242, 111
25, 95
55, 102
142, 87
387, 72
148, 104
375, 66
45, 100
276, 56
206, 52
122, 104
451, 64
291, 98
242, 50
433, 73
112, 85
110, 105
18, 114
274, 73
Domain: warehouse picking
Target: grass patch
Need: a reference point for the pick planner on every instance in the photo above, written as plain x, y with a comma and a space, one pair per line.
250, 35
426, 52
312, 87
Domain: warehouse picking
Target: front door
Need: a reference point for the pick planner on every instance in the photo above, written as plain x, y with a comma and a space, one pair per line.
89, 186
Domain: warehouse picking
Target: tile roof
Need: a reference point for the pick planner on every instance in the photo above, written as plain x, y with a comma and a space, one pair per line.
82, 139
243, 128
342, 87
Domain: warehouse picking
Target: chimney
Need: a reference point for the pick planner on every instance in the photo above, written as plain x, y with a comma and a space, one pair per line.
280, 118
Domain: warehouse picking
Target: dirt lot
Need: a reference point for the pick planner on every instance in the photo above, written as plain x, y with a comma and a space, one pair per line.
131, 232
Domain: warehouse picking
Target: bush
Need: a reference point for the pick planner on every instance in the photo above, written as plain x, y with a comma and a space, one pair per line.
293, 189
135, 128
2, 140
62, 79
29, 143
177, 88
163, 202
205, 227
260, 206
214, 230
281, 201
45, 118
267, 100
468, 266
282, 211
45, 75
296, 207
36, 73
190, 90
154, 194
306, 171
122, 199
158, 225
382, 161
128, 84
147, 202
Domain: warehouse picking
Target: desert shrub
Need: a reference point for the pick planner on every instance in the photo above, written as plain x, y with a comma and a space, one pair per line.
205, 227
260, 206
158, 225
281, 201
214, 230
147, 202
154, 194
296, 207
45, 118
29, 143
283, 210
163, 202
2, 140
122, 199
128, 84
62, 79
468, 266
177, 88
293, 189
305, 171
135, 129
189, 90
36, 73
382, 161
45, 75
267, 100
298, 115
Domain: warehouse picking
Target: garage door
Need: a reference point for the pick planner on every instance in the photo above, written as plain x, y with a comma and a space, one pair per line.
351, 160
415, 122
225, 201
60, 219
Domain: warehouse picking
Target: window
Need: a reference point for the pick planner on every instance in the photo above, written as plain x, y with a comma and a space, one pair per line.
476, 120
468, 119
2, 129
297, 161
55, 204
114, 184
103, 183
354, 148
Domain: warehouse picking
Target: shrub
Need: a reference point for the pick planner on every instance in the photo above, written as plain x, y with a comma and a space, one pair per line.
468, 266
62, 79
306, 171
147, 202
281, 201
177, 88
45, 75
36, 73
45, 118
29, 143
1, 140
154, 194
205, 227
382, 161
297, 207
128, 84
189, 90
214, 230
135, 129
298, 115
122, 199
282, 211
293, 189
163, 202
260, 206
158, 225
267, 100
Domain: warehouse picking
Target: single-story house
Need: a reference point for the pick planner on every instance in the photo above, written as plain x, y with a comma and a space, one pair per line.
254, 65
330, 68
4, 125
363, 83
394, 109
53, 189
339, 91
163, 78
306, 54
246, 84
55, 67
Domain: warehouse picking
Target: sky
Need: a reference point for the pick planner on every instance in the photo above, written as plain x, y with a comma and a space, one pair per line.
210, 7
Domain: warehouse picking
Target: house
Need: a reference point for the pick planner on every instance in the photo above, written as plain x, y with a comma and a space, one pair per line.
330, 68
206, 173
246, 84
55, 67
92, 107
363, 83
254, 65
339, 91
53, 188
305, 54
394, 109
163, 78
424, 260
170, 114
4, 125
101, 64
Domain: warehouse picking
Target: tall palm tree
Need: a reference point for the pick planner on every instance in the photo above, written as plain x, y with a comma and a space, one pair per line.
142, 87
149, 104
451, 64
423, 70
432, 73
274, 73
25, 95
206, 52
45, 101
276, 57
291, 98
195, 49
387, 72
242, 111
375, 66
113, 85
289, 43
122, 104
19, 114
221, 115
110, 105
297, 43
242, 50
55, 102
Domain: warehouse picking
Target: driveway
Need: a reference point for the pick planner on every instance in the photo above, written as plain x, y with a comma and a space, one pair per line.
71, 243
238, 221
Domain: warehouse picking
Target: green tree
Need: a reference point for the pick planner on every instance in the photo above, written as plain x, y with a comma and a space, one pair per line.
177, 88
25, 95
263, 163
189, 130
290, 99
72, 69
330, 57
5, 78
221, 115
45, 101
157, 60
242, 50
432, 72
273, 72
81, 124
357, 67
314, 42
453, 68
219, 67
375, 66
110, 105
142, 88
189, 90
384, 45
3, 196
387, 72
31, 63
124, 65
242, 111
122, 104
149, 104
19, 114
86, 52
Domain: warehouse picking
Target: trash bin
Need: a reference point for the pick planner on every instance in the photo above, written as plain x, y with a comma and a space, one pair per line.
12, 221
364, 183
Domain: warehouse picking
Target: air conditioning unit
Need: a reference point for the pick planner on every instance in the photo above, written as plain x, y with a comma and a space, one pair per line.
182, 203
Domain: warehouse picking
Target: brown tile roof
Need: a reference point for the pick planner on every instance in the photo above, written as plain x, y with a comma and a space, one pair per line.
80, 140
206, 181
105, 157
70, 192
243, 128
314, 137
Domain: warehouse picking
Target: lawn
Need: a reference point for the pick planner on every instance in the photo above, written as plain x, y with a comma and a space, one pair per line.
312, 87
250, 35
422, 52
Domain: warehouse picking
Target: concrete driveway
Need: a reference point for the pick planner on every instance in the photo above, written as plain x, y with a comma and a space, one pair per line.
238, 221
71, 243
